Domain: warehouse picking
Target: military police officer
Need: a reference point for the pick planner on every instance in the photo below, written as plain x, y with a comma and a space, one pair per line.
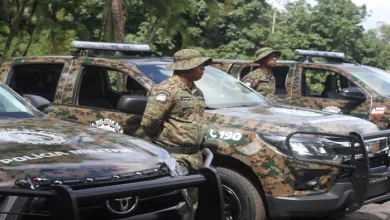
175, 107
262, 79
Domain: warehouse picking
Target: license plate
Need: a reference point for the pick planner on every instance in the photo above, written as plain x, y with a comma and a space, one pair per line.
378, 179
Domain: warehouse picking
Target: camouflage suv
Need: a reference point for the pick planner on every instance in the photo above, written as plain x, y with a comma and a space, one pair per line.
53, 169
334, 84
274, 160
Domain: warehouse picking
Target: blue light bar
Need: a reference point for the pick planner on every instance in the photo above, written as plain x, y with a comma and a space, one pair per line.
314, 53
109, 46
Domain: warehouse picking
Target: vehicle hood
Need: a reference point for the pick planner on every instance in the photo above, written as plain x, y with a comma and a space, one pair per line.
59, 150
283, 120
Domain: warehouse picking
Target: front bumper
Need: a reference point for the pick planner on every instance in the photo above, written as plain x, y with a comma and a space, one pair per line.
179, 212
340, 199
66, 203
379, 187
337, 199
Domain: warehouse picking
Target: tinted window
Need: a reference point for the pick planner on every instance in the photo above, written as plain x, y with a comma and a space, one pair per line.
323, 83
36, 79
220, 89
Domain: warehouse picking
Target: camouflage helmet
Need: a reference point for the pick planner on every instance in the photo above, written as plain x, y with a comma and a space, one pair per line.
264, 52
188, 59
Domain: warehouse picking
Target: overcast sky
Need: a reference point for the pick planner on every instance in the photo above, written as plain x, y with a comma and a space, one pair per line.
379, 10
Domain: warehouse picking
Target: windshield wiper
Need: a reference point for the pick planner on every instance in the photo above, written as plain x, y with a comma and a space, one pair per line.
210, 108
239, 106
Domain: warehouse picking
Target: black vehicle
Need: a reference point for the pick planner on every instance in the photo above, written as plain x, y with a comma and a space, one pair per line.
53, 169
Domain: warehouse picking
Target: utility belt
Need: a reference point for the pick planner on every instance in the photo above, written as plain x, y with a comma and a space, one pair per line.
182, 150
179, 150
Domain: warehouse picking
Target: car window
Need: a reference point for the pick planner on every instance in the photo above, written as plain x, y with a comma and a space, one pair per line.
12, 105
102, 87
220, 89
125, 85
377, 79
36, 79
323, 83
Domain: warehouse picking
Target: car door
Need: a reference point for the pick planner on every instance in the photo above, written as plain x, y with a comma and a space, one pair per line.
320, 87
92, 93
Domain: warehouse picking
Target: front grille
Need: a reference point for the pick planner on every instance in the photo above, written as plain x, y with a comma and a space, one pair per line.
96, 209
376, 161
382, 160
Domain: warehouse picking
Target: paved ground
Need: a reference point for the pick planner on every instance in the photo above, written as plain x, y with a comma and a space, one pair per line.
368, 212
371, 212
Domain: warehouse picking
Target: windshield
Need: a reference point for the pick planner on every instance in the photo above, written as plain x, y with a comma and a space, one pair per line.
220, 89
12, 106
375, 78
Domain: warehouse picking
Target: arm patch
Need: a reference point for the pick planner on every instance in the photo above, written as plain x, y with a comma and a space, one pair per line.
161, 95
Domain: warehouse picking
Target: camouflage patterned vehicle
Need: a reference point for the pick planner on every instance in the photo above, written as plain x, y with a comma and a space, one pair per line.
266, 169
53, 169
336, 85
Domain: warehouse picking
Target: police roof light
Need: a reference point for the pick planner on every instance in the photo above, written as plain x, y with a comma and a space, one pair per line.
110, 46
313, 53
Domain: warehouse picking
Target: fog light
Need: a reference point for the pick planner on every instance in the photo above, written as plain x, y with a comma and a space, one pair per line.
308, 179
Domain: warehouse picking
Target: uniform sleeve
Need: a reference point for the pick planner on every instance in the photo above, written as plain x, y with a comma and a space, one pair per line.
261, 83
250, 80
158, 108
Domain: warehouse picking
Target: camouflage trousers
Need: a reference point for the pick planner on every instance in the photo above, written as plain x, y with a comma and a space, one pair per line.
192, 162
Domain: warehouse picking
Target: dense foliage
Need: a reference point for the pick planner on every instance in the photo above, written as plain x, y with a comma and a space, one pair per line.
219, 28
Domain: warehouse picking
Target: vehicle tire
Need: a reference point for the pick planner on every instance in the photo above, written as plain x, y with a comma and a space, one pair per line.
242, 200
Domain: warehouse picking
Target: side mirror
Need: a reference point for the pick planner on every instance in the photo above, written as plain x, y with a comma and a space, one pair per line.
38, 102
353, 93
132, 104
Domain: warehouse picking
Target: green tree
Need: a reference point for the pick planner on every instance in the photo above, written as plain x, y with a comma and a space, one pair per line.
330, 25
375, 47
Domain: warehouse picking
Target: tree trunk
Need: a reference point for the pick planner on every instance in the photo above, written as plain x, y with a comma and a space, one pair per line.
153, 32
118, 18
274, 22
20, 38
119, 35
14, 28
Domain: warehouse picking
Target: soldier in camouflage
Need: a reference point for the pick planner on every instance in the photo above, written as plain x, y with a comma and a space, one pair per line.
262, 79
175, 107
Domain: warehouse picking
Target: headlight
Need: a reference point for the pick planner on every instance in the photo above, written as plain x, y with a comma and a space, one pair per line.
310, 147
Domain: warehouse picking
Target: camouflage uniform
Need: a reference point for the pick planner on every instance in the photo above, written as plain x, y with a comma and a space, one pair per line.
261, 80
174, 112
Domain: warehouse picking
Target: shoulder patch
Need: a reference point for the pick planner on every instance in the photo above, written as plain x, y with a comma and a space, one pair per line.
161, 97
248, 82
165, 92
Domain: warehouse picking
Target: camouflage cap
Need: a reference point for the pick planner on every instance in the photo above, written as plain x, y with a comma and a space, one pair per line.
264, 52
188, 59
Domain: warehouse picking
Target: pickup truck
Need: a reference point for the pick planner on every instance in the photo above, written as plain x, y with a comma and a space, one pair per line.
274, 160
54, 169
332, 84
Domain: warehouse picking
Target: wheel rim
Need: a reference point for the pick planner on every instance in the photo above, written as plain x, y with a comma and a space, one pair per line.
232, 203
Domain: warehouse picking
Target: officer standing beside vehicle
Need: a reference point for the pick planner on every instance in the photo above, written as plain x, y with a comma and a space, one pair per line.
262, 79
174, 110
